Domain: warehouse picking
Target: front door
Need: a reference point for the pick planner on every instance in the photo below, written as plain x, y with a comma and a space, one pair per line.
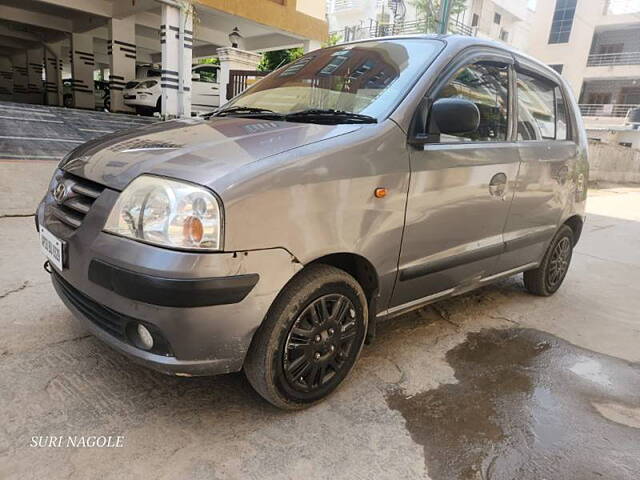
460, 191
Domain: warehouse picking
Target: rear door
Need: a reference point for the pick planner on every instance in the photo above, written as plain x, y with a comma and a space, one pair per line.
461, 187
547, 155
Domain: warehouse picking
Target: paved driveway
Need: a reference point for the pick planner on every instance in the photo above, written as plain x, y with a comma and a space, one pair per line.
494, 384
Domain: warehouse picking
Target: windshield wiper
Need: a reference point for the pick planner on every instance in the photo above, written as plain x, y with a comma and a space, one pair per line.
245, 111
330, 116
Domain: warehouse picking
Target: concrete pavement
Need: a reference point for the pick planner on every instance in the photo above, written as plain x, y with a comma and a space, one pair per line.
493, 384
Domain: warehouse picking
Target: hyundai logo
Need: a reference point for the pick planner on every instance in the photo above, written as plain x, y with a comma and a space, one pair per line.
60, 192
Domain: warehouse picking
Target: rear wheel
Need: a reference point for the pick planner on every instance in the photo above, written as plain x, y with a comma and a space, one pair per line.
547, 278
310, 339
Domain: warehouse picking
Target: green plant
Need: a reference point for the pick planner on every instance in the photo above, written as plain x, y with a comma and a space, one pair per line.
333, 39
209, 61
277, 58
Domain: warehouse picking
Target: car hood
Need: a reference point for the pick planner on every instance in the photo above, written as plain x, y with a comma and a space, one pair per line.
196, 150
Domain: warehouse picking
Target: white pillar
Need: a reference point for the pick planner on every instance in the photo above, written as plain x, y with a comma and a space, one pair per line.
176, 61
20, 77
122, 59
311, 45
82, 64
35, 57
234, 59
6, 79
53, 73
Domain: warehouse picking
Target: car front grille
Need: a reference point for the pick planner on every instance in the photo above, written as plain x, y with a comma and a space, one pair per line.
79, 195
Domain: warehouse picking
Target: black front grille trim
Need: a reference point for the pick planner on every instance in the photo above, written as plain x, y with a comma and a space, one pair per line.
112, 322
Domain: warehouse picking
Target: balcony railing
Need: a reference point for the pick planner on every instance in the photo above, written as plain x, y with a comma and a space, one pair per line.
621, 7
606, 110
340, 5
376, 29
604, 59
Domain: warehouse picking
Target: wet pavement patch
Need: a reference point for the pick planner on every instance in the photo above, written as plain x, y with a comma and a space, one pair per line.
528, 405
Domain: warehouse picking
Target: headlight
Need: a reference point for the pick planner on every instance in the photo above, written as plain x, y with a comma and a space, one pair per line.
168, 213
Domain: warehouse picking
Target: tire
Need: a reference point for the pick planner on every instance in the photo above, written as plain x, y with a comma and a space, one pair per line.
296, 369
547, 278
158, 105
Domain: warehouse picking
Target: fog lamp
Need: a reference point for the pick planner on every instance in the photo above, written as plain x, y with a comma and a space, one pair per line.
146, 339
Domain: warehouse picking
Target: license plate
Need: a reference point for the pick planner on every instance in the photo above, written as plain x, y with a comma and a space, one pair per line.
52, 247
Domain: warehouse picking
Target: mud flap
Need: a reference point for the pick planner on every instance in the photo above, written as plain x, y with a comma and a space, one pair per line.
371, 324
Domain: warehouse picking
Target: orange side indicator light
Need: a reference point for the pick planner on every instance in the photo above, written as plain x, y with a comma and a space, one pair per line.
380, 192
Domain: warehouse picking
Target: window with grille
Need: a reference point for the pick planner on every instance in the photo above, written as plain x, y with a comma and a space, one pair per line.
562, 21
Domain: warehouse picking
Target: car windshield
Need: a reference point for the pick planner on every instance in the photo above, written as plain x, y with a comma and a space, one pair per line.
367, 78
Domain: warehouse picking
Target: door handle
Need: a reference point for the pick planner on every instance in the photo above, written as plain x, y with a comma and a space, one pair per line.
498, 185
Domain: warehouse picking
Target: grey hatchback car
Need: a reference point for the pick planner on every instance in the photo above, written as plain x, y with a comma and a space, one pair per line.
355, 184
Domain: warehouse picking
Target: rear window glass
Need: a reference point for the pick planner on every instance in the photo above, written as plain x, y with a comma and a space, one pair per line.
542, 110
536, 108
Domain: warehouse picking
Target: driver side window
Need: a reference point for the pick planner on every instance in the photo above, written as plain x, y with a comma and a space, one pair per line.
486, 85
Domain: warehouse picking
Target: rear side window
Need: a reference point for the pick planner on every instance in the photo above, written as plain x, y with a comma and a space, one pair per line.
488, 87
562, 122
542, 112
536, 109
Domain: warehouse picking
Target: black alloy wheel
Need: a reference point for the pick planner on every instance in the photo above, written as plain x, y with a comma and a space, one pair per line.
319, 343
310, 339
559, 262
547, 278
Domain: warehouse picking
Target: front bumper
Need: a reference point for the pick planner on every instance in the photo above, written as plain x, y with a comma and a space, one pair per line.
207, 306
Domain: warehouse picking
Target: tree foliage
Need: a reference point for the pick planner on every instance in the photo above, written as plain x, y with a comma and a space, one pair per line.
277, 58
209, 61
428, 11
333, 39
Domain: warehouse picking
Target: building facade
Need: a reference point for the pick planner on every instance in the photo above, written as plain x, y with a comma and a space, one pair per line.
502, 20
595, 45
41, 39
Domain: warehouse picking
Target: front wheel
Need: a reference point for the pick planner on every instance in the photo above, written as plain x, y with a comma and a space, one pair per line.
547, 278
310, 339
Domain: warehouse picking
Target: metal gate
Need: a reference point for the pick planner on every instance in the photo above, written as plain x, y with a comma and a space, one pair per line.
240, 80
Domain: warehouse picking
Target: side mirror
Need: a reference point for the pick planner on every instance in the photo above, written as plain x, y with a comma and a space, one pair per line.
454, 116
195, 76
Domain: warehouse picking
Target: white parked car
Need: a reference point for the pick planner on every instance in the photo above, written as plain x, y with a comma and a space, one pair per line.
144, 94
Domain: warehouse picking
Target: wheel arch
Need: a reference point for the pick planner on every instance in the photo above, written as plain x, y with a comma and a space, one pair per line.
365, 274
355, 265
575, 223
